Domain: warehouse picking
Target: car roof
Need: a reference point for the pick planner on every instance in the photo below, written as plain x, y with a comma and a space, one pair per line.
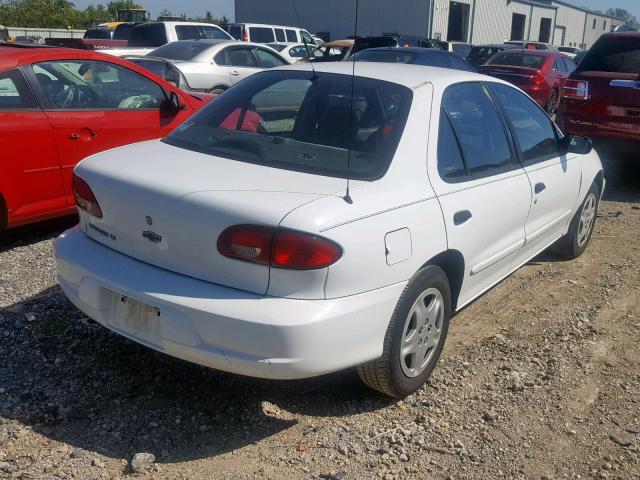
411, 76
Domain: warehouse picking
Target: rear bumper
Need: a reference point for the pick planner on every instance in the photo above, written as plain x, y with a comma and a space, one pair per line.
221, 327
580, 121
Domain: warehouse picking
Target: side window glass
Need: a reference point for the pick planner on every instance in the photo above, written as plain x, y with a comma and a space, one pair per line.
242, 57
450, 163
14, 91
291, 36
280, 35
268, 59
533, 130
569, 64
221, 58
556, 66
261, 34
306, 38
297, 52
93, 85
188, 32
478, 128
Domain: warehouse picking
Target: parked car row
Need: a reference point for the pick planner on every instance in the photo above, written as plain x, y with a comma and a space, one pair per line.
298, 203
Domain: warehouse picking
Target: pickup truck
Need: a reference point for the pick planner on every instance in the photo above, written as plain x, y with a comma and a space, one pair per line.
92, 39
151, 35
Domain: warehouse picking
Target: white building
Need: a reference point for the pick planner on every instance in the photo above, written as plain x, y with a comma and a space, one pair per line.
474, 21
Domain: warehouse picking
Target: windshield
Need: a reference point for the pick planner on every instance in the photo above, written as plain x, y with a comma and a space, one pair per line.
518, 60
180, 50
303, 121
613, 54
395, 55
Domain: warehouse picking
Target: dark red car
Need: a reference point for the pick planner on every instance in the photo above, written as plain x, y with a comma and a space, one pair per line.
539, 73
58, 106
601, 99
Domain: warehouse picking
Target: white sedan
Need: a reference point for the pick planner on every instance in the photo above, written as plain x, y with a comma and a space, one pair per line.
290, 229
216, 65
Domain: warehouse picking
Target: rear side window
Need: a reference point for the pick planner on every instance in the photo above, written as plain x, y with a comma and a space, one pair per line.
291, 35
123, 31
613, 54
188, 32
533, 130
213, 32
450, 163
15, 92
518, 60
261, 34
569, 64
478, 128
235, 31
148, 35
268, 59
241, 57
280, 35
303, 121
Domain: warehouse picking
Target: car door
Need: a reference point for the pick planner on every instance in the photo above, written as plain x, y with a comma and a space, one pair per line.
483, 191
554, 177
30, 177
242, 62
93, 106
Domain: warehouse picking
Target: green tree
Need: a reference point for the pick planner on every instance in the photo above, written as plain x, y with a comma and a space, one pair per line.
625, 15
40, 13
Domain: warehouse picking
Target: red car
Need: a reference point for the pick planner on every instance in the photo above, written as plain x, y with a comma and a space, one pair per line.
58, 106
539, 73
601, 98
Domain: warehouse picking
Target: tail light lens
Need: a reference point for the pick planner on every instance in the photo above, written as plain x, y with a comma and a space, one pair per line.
576, 89
245, 36
85, 199
278, 248
538, 78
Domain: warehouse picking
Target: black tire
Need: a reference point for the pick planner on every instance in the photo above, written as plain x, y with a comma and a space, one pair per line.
572, 245
552, 104
387, 373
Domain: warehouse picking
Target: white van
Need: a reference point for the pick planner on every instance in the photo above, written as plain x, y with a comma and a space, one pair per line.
261, 33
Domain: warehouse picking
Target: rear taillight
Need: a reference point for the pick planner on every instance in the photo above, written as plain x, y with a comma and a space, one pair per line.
576, 89
245, 36
538, 78
279, 248
85, 199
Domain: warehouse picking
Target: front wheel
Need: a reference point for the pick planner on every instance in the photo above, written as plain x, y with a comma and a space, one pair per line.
575, 242
415, 336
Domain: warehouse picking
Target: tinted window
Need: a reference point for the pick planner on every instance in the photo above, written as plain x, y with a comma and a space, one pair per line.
261, 34
148, 35
327, 53
533, 130
569, 64
235, 31
241, 57
479, 55
303, 121
279, 35
221, 58
558, 65
92, 85
214, 33
298, 52
188, 32
306, 38
459, 64
518, 60
437, 59
123, 31
184, 50
386, 56
478, 128
14, 91
268, 59
450, 163
98, 33
291, 36
613, 54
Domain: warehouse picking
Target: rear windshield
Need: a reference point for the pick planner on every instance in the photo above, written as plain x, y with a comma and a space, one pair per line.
261, 34
483, 53
329, 53
518, 60
98, 33
180, 50
148, 35
617, 55
123, 31
304, 122
387, 56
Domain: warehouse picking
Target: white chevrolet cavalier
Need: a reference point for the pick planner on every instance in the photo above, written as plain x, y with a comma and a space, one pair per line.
234, 241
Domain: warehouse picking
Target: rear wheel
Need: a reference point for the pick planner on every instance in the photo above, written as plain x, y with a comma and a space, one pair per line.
415, 336
552, 103
575, 242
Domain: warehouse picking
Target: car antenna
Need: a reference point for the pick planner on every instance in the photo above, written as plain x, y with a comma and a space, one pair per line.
304, 40
347, 196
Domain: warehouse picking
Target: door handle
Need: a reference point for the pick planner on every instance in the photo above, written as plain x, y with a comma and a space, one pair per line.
74, 136
461, 217
85, 133
539, 188
235, 73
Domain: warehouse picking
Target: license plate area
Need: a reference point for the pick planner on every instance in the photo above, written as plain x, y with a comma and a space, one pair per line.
136, 318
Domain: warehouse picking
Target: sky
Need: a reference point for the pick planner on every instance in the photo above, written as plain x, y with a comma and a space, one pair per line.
225, 7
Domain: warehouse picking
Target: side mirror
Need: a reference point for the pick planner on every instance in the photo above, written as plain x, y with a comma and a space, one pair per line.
576, 144
174, 102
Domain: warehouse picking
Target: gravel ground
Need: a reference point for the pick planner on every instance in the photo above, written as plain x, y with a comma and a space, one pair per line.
540, 379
